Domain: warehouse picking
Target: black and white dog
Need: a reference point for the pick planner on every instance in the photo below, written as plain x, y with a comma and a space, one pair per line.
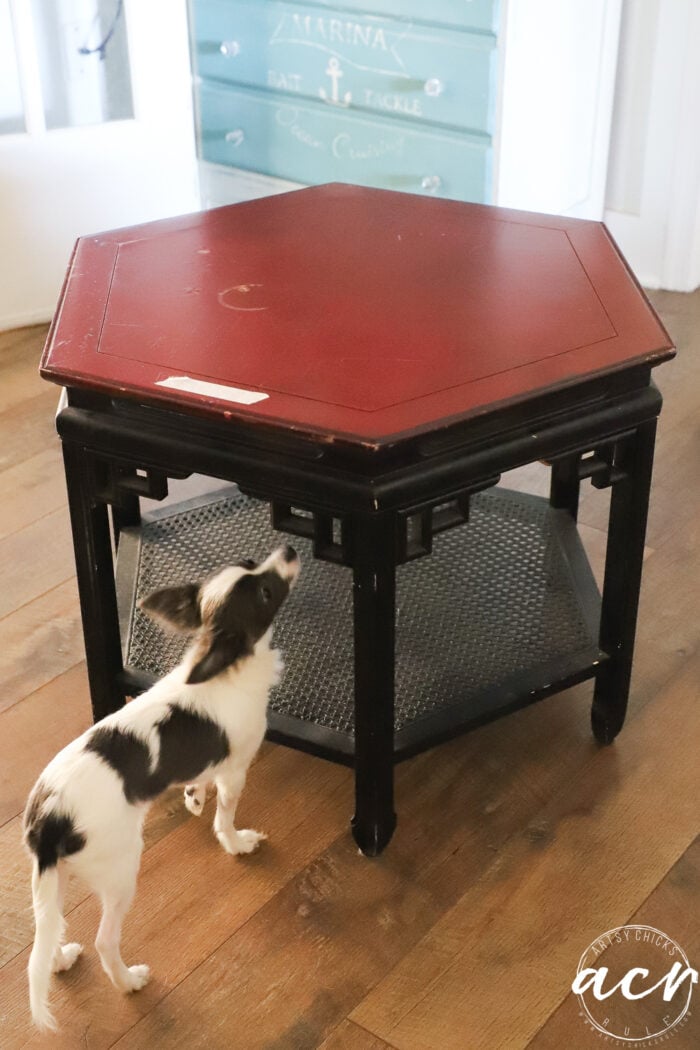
203, 722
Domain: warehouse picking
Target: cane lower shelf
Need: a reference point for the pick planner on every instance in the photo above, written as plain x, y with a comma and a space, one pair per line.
505, 609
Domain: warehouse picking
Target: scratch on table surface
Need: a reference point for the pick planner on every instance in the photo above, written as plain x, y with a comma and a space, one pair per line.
235, 291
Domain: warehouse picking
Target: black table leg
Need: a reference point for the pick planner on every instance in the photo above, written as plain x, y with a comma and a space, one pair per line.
565, 484
623, 572
128, 515
374, 576
94, 566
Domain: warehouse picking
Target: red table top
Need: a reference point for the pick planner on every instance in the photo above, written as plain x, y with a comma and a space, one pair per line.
348, 311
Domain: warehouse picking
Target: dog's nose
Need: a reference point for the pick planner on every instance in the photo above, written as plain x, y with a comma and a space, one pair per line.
288, 564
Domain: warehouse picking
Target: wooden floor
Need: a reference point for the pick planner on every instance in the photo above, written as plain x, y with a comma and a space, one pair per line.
516, 845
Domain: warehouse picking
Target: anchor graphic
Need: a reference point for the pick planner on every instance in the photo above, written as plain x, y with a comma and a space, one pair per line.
335, 73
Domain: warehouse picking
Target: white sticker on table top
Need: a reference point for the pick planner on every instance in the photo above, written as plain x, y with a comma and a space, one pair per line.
218, 390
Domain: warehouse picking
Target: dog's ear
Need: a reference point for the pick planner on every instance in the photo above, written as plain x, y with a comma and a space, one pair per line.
175, 607
222, 652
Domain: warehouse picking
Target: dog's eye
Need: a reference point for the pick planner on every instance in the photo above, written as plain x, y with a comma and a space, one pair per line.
265, 594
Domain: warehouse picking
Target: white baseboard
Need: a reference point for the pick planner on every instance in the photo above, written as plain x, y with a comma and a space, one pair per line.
24, 320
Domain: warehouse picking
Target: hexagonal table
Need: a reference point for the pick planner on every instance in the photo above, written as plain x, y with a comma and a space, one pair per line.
367, 364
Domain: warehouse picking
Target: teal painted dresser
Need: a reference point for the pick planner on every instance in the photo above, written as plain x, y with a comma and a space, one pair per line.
402, 98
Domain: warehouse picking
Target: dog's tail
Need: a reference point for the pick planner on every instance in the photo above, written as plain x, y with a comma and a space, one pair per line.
48, 918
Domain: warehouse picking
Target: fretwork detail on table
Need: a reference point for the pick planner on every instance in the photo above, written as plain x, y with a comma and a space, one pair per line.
117, 483
601, 466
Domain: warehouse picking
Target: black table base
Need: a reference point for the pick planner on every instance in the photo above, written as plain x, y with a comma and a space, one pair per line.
465, 602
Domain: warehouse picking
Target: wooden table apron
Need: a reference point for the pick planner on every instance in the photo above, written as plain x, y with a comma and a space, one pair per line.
116, 450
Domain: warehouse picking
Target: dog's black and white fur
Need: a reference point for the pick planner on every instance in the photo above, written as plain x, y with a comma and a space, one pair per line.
203, 722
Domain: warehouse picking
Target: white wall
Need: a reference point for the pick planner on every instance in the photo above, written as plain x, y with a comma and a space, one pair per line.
59, 184
653, 189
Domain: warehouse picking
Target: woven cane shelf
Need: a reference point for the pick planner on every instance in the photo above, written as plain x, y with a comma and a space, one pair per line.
505, 610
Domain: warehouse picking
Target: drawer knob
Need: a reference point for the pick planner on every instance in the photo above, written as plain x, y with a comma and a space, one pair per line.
433, 87
235, 137
431, 183
230, 48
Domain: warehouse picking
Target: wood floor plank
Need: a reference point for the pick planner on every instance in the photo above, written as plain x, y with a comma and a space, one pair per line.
675, 498
494, 967
349, 1036
31, 490
679, 380
668, 631
38, 642
35, 560
21, 379
35, 729
28, 428
23, 343
671, 908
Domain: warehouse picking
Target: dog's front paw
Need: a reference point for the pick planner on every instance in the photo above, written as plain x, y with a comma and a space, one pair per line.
195, 797
239, 842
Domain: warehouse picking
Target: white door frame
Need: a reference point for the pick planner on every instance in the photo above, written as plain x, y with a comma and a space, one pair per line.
653, 197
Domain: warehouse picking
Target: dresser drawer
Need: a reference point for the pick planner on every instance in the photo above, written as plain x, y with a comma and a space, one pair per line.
356, 61
465, 14
312, 143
